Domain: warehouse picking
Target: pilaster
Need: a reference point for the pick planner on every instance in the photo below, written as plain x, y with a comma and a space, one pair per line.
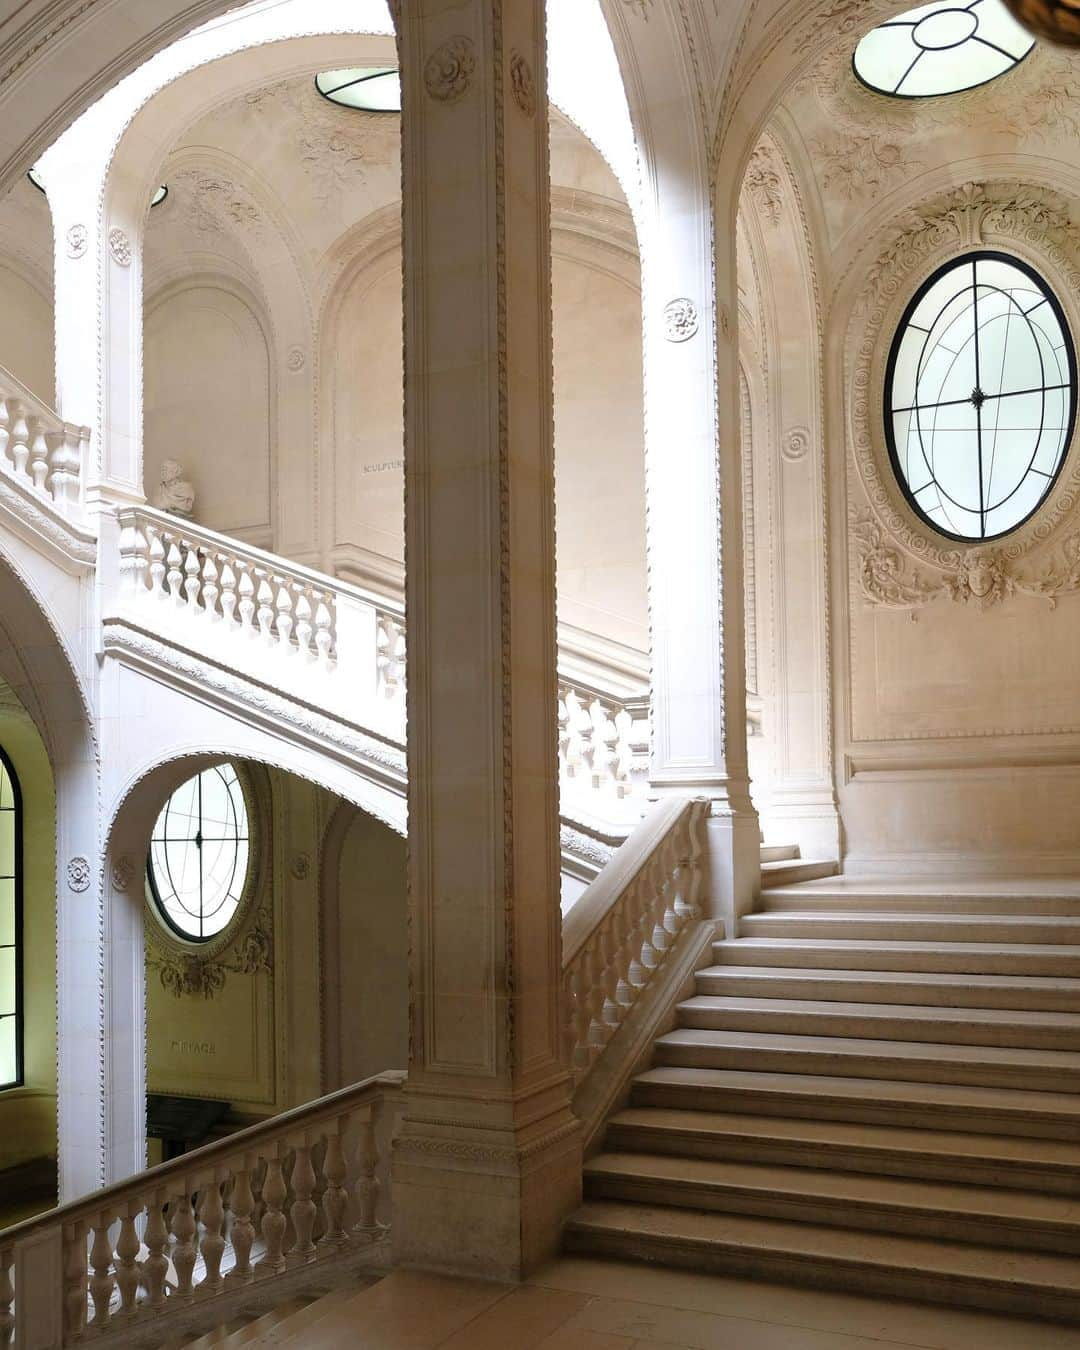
489, 1160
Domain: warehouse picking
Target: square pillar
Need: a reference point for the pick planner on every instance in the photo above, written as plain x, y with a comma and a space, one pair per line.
489, 1159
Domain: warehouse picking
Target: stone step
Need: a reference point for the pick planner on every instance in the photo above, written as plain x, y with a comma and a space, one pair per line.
958, 1107
779, 852
899, 926
1027, 1283
858, 1057
975, 958
924, 988
243, 1329
1018, 1220
1044, 1165
822, 895
1002, 1027
789, 872
293, 1330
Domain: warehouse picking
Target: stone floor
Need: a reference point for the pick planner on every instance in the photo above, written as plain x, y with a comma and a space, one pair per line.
580, 1304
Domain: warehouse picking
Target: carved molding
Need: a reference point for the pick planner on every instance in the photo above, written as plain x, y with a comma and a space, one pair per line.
78, 240
680, 320
977, 214
183, 974
522, 84
78, 874
120, 247
449, 69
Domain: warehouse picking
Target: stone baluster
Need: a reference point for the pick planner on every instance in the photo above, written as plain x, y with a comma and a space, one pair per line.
600, 740
324, 637
594, 994
102, 1281
335, 1197
74, 1241
212, 1244
366, 1190
303, 1210
19, 443
5, 428
67, 462
157, 562
133, 557
624, 752
7, 1295
563, 718
155, 1267
304, 628
242, 1232
264, 615
228, 594
127, 1264
39, 455
185, 1251
210, 588
192, 568
284, 617
274, 1195
174, 576
246, 591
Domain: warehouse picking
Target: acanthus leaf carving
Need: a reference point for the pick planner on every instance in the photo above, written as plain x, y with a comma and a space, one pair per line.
764, 185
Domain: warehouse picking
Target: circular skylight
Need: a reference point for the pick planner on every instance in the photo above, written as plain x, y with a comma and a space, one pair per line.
35, 180
980, 396
198, 860
160, 193
373, 89
941, 49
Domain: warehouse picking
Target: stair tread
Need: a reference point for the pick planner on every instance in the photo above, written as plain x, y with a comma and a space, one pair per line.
282, 1332
1063, 984
824, 1134
887, 1049
888, 1011
815, 1243
1020, 1100
854, 1188
893, 944
883, 917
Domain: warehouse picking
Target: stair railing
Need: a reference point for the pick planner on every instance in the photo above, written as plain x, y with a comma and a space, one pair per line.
39, 450
622, 931
305, 1187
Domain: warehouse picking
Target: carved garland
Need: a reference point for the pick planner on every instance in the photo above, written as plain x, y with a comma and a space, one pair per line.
888, 536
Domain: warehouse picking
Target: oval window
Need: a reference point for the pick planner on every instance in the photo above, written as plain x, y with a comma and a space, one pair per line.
941, 49
198, 861
980, 396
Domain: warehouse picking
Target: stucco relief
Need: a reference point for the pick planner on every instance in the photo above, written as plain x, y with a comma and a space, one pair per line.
970, 216
212, 203
522, 84
78, 239
763, 185
183, 974
120, 247
863, 165
123, 872
78, 874
449, 69
680, 320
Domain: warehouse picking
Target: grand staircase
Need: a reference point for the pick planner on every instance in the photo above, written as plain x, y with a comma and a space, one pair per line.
875, 1087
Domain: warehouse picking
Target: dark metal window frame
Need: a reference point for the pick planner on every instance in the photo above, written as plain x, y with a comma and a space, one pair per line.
972, 258
16, 792
899, 22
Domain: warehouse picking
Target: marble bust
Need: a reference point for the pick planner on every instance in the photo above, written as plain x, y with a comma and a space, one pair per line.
175, 494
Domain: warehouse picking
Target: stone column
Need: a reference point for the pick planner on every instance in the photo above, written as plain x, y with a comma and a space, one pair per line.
489, 1160
694, 517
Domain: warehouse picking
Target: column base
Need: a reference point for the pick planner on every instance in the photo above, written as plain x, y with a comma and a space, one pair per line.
733, 842
484, 1203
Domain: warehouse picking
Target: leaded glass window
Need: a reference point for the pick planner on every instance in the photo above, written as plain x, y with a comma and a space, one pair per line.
980, 396
10, 926
199, 854
941, 49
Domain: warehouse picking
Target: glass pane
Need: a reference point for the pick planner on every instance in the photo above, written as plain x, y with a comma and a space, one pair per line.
7, 793
7, 912
9, 1064
8, 994
7, 843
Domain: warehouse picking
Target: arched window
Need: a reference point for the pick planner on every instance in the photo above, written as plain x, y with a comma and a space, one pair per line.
10, 926
980, 396
197, 866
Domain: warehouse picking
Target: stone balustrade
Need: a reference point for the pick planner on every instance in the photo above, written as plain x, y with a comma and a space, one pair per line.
603, 741
39, 450
297, 1190
618, 936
